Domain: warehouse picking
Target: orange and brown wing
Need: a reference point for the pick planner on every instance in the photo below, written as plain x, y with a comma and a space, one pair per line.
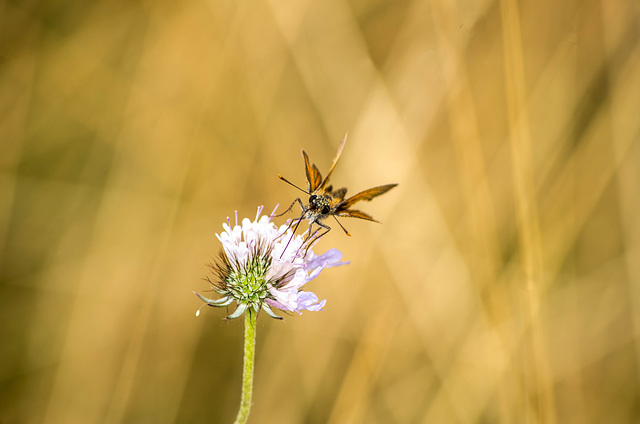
313, 174
355, 214
338, 194
335, 161
365, 195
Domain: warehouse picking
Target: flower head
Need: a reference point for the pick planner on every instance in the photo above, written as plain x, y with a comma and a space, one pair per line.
261, 266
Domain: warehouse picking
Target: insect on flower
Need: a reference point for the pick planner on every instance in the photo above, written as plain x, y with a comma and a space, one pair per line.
324, 201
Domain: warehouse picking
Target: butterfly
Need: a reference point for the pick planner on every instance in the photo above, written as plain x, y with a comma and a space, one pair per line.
326, 202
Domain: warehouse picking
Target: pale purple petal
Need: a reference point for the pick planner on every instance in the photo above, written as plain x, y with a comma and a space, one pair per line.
309, 301
328, 259
277, 304
279, 270
299, 279
286, 296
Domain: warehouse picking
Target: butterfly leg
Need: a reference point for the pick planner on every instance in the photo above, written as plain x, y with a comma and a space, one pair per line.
289, 208
298, 221
312, 238
293, 220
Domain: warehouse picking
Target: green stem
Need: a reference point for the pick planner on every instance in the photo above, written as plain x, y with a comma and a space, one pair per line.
247, 373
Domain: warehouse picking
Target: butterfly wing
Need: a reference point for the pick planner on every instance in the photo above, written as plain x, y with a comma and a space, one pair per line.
355, 214
365, 195
313, 174
335, 161
339, 193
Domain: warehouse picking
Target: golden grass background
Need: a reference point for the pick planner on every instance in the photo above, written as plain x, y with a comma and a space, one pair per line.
502, 286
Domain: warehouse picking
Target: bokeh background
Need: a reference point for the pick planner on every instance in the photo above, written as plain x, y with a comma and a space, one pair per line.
502, 287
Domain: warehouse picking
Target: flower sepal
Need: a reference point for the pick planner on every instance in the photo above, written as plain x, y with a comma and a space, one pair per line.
223, 301
270, 312
239, 311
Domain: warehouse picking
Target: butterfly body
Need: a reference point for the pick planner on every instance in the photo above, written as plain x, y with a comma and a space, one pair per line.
325, 202
319, 207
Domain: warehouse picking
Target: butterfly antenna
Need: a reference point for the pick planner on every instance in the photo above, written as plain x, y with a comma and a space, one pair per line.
291, 184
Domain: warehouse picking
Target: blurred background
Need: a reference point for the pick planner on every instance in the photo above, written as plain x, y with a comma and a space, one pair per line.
502, 287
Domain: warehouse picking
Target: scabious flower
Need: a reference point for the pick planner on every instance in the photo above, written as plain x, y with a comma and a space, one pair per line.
262, 266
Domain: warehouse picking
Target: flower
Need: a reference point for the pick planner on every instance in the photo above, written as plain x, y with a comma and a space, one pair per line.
261, 266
